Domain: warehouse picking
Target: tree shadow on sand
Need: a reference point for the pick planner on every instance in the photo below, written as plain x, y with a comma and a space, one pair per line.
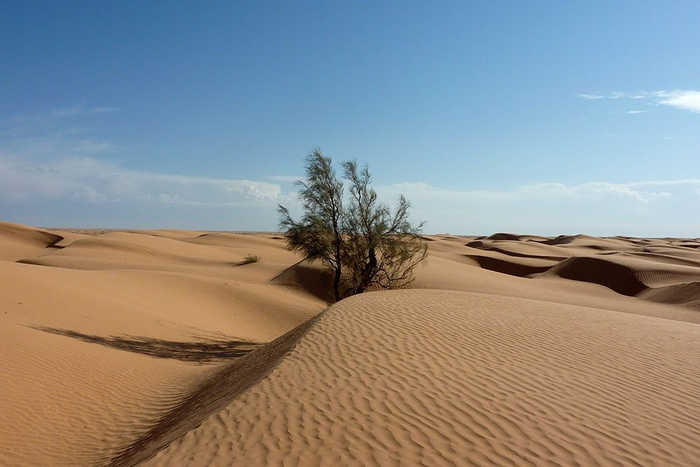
198, 352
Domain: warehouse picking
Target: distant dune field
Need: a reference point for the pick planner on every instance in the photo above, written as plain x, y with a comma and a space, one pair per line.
179, 348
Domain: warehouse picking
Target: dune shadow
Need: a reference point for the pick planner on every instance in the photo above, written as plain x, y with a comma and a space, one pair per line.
618, 277
308, 277
196, 352
507, 267
54, 242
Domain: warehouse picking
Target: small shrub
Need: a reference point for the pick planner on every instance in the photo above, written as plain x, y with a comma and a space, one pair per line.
251, 259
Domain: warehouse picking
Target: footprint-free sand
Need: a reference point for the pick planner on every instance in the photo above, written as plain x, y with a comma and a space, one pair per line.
171, 348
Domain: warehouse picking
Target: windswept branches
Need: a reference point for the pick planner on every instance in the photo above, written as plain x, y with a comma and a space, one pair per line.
383, 249
318, 234
363, 243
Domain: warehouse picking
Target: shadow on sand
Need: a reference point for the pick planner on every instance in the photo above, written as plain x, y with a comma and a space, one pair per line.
197, 352
227, 383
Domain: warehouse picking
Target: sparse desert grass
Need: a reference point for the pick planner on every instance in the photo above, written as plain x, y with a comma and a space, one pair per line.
251, 259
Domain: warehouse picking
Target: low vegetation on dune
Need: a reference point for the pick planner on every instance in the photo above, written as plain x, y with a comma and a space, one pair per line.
249, 259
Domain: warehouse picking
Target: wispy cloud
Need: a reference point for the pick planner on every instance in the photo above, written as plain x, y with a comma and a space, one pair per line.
652, 208
44, 117
65, 131
590, 96
104, 109
56, 158
635, 112
284, 178
96, 181
86, 187
642, 192
680, 99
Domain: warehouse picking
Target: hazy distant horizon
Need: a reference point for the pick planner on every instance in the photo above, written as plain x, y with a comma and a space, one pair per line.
275, 232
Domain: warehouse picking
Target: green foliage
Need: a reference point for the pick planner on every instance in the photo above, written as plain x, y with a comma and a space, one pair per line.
363, 243
318, 235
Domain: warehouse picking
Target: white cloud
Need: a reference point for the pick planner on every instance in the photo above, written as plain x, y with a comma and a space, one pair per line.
96, 181
684, 100
680, 99
87, 188
635, 112
54, 171
653, 208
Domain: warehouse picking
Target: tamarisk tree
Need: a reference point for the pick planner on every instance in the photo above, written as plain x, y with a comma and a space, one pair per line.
362, 241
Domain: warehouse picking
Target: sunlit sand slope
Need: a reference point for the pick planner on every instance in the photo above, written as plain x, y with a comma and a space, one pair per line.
66, 402
102, 335
441, 377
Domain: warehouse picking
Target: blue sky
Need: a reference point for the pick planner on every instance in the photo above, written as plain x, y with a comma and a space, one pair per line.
532, 117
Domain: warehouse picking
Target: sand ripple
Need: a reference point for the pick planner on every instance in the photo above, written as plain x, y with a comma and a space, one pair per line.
454, 378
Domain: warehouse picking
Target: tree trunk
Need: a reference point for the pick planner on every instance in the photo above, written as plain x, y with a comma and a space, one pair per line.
367, 272
336, 284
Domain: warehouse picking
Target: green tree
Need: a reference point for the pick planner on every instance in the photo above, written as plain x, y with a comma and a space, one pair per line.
364, 244
318, 235
382, 249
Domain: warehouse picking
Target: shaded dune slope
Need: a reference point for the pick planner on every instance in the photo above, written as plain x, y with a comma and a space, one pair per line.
646, 278
455, 378
520, 268
309, 278
681, 294
622, 279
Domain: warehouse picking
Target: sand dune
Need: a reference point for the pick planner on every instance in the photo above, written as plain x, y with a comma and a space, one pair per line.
446, 270
67, 402
649, 269
679, 294
17, 241
119, 327
442, 377
168, 347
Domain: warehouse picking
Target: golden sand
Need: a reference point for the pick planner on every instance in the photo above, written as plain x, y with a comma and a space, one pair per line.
169, 348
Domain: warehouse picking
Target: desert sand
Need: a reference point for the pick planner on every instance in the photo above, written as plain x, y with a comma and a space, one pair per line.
171, 348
